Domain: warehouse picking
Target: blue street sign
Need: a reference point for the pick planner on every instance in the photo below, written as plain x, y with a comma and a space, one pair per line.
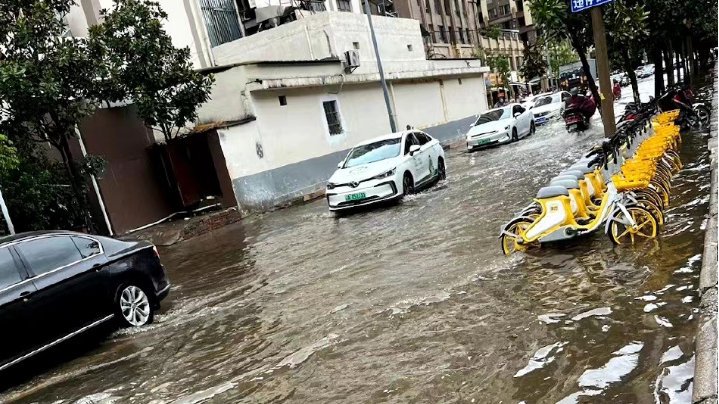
581, 5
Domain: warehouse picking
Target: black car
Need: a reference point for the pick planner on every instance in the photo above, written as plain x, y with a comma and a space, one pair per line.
57, 285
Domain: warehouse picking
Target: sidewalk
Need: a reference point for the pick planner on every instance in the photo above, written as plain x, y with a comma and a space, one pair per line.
705, 371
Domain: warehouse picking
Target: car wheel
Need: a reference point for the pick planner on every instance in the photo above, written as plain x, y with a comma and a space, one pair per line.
514, 135
407, 184
532, 129
441, 170
133, 306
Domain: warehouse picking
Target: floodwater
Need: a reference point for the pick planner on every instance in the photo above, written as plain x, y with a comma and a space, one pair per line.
414, 303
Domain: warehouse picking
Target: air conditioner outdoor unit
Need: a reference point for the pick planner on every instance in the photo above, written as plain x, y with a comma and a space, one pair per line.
352, 60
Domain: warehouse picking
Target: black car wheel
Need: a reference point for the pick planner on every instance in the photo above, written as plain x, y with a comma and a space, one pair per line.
133, 307
407, 184
441, 170
514, 135
532, 129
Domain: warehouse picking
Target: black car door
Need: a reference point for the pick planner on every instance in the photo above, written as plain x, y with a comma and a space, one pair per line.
70, 289
15, 289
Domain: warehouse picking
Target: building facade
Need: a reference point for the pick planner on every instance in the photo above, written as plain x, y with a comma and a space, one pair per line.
285, 122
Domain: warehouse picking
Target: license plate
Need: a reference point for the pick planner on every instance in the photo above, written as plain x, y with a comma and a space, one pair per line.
483, 141
355, 197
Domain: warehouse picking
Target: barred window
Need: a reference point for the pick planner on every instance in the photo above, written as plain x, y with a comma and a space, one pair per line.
334, 121
344, 5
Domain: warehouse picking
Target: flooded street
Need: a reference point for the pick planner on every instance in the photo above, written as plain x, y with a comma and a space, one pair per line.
415, 302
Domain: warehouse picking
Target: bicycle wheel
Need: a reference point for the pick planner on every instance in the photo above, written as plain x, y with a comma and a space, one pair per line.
652, 208
650, 195
622, 232
661, 192
509, 239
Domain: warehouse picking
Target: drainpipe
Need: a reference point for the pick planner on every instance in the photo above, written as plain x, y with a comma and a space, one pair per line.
95, 186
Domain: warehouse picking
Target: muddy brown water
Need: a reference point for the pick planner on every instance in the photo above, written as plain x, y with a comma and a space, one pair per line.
415, 303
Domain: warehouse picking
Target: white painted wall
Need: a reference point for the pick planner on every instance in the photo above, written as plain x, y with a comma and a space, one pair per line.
418, 103
239, 147
330, 34
298, 131
463, 100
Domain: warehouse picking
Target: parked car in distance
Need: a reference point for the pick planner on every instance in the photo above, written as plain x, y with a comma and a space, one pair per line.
385, 168
648, 70
528, 102
56, 285
639, 72
500, 125
549, 107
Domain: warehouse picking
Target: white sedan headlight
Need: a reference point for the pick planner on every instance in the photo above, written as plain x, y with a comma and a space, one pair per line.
385, 175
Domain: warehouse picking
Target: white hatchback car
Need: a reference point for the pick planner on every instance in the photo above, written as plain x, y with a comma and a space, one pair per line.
385, 168
549, 107
500, 125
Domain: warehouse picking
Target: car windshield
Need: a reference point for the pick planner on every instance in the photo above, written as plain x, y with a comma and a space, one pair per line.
543, 101
377, 151
494, 115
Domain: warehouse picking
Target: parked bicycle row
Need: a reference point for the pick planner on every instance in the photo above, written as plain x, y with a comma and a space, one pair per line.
621, 186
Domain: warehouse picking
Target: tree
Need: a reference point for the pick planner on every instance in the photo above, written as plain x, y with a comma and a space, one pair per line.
500, 64
535, 63
626, 28
561, 54
143, 66
557, 23
45, 77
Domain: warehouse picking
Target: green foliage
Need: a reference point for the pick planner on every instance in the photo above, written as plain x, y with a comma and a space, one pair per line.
535, 63
561, 54
141, 64
492, 32
8, 154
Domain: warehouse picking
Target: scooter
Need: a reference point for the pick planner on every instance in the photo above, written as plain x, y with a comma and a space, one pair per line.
692, 115
578, 111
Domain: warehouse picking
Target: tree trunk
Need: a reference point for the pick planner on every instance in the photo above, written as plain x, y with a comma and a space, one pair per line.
678, 57
659, 75
75, 181
692, 59
669, 64
685, 65
632, 77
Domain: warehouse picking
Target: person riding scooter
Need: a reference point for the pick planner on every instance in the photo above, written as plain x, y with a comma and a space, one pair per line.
578, 110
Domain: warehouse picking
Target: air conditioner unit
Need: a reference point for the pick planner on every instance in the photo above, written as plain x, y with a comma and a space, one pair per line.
352, 60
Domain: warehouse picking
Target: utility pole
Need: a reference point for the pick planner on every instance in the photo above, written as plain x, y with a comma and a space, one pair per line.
387, 101
6, 215
605, 86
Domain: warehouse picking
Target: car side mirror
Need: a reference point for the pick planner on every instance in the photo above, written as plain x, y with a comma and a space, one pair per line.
517, 114
413, 149
339, 165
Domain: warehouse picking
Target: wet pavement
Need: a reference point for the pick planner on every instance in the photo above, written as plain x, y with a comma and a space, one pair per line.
415, 302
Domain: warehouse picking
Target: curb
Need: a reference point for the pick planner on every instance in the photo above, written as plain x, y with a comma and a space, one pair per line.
705, 369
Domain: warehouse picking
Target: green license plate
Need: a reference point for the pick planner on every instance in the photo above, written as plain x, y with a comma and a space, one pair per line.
355, 197
483, 141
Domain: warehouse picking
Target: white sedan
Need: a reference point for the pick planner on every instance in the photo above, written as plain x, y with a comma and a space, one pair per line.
549, 107
384, 169
500, 125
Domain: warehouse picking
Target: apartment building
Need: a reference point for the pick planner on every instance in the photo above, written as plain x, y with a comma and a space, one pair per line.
508, 15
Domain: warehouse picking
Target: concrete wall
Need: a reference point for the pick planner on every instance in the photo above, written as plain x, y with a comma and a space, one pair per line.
330, 34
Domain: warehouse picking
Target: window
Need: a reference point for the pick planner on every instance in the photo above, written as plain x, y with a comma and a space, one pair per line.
370, 153
355, 45
344, 5
9, 274
452, 36
46, 254
221, 21
409, 47
459, 81
437, 7
332, 114
422, 138
283, 100
447, 8
427, 6
442, 37
87, 247
409, 141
